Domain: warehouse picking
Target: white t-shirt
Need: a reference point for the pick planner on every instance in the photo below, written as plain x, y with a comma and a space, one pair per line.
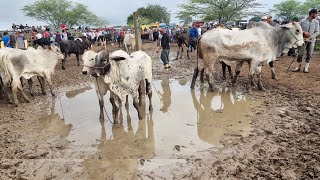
64, 36
39, 36
199, 31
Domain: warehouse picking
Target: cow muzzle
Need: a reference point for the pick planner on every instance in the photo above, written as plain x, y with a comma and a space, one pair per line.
95, 74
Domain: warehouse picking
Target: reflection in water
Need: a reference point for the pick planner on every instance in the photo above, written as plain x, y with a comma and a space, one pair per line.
196, 120
52, 122
166, 96
220, 113
119, 156
74, 93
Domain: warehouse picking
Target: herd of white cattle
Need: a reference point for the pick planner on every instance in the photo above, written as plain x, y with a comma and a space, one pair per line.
123, 74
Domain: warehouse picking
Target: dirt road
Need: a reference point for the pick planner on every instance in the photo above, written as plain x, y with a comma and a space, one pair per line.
277, 139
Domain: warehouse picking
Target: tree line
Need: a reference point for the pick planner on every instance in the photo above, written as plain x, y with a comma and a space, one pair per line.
57, 12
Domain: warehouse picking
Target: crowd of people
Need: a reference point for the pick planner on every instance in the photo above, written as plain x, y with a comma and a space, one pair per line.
164, 36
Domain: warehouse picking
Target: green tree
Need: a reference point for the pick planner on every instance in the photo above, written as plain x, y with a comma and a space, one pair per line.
287, 9
309, 4
57, 12
223, 10
151, 13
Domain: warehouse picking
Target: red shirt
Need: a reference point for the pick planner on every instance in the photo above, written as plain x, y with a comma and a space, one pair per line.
46, 34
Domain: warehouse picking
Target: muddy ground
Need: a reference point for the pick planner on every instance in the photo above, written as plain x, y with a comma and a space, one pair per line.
283, 143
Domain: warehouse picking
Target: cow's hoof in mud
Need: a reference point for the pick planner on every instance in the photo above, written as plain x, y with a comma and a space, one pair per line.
44, 93
63, 68
53, 94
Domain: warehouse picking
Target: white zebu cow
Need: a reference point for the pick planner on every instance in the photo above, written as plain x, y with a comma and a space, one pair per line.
30, 82
126, 75
17, 63
129, 41
89, 59
256, 45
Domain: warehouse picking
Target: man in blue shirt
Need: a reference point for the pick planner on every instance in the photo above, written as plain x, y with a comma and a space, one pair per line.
6, 40
193, 38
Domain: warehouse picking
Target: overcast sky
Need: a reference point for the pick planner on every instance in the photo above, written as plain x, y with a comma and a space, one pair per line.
116, 11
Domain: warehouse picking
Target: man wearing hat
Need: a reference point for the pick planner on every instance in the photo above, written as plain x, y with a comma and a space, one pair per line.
165, 46
264, 18
310, 27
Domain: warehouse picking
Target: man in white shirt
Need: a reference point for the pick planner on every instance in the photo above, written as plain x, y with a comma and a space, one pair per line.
64, 35
39, 36
199, 30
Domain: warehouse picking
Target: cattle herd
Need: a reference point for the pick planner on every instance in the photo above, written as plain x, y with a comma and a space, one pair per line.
125, 74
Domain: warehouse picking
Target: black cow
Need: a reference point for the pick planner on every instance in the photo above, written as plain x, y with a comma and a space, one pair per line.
42, 42
76, 47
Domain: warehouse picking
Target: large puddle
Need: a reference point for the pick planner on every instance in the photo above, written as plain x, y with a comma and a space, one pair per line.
183, 122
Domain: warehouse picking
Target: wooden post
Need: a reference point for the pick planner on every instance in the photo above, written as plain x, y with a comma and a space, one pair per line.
137, 31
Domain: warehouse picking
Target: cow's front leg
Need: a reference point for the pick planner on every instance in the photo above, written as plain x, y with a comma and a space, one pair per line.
149, 92
117, 103
136, 105
64, 61
78, 59
30, 83
42, 85
101, 105
141, 90
112, 101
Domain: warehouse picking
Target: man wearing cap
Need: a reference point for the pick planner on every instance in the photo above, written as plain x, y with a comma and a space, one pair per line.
264, 18
310, 27
269, 20
165, 46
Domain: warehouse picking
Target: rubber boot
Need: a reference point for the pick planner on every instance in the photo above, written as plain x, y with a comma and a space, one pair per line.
273, 74
297, 69
306, 68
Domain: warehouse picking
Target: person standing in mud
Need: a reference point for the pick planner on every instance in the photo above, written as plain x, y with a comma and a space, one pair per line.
310, 27
165, 46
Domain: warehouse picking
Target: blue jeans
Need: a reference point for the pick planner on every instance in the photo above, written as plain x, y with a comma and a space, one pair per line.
309, 46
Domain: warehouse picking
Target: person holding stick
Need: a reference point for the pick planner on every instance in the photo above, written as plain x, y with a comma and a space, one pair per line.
310, 27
